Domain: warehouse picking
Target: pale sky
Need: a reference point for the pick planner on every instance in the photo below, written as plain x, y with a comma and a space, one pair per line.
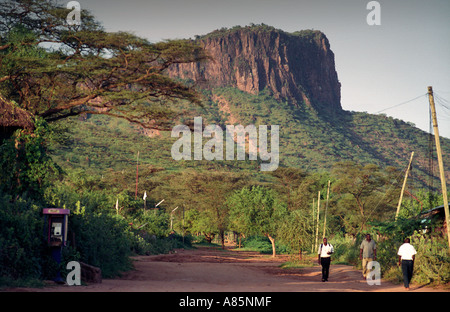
378, 66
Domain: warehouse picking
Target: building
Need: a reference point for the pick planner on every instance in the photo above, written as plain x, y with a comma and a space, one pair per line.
434, 220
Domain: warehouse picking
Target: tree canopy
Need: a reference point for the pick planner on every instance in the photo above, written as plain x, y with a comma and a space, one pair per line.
366, 192
256, 211
55, 70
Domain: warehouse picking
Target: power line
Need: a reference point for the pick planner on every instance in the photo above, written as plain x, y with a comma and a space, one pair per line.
403, 103
396, 183
443, 103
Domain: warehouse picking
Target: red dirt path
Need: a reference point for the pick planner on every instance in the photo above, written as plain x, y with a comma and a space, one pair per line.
215, 270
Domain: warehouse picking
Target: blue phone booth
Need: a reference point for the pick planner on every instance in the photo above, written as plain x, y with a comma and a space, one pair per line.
56, 222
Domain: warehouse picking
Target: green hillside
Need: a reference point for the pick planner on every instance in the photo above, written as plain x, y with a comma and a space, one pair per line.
100, 146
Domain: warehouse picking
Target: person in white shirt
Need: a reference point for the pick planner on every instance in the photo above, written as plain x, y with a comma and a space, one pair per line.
406, 256
324, 258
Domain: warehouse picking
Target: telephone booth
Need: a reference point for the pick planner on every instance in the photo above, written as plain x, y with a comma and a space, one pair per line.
56, 222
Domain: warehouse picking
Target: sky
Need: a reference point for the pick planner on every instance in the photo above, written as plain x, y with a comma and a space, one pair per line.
383, 68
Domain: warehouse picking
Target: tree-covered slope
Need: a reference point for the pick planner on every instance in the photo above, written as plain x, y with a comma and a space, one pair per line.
308, 140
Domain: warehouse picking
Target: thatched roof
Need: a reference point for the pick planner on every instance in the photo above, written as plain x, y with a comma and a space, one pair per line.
14, 117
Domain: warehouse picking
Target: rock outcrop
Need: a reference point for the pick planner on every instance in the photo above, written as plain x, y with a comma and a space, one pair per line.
294, 66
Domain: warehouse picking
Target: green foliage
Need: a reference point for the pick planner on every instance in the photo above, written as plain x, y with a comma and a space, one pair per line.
201, 222
367, 193
256, 211
261, 244
21, 239
296, 231
308, 141
257, 243
126, 74
98, 155
432, 265
103, 241
27, 168
432, 262
153, 222
346, 249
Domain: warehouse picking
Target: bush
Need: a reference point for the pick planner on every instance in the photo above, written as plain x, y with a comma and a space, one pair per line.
27, 169
257, 243
103, 241
346, 249
153, 222
144, 243
432, 264
262, 244
21, 240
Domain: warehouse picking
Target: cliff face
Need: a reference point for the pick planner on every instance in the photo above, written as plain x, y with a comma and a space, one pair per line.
298, 67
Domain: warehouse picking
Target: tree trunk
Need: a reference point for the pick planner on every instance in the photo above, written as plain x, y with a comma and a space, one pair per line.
272, 241
222, 238
300, 254
209, 237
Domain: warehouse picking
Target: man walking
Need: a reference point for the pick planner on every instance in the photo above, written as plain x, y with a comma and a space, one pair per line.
367, 253
324, 258
406, 256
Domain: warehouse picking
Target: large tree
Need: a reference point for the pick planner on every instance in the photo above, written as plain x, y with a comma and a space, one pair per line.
367, 193
203, 196
257, 211
55, 70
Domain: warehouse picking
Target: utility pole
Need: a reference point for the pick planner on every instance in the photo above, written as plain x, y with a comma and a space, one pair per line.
317, 225
313, 223
441, 163
326, 208
403, 187
137, 175
171, 218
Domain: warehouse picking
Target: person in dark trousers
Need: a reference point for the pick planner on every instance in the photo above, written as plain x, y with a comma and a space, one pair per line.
324, 258
406, 256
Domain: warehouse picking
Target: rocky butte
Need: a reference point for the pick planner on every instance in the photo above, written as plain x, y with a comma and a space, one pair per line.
298, 67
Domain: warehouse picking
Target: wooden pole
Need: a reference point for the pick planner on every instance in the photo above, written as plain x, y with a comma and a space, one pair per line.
441, 163
313, 223
403, 187
183, 225
317, 225
326, 209
137, 175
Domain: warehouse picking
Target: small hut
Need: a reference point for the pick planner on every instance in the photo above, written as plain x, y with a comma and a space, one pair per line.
435, 218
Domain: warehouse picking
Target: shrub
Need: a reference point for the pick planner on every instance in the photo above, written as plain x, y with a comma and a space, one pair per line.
346, 249
103, 241
262, 244
155, 222
21, 239
257, 243
432, 264
27, 169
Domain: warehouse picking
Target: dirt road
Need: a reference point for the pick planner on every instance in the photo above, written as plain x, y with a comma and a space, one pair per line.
215, 270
